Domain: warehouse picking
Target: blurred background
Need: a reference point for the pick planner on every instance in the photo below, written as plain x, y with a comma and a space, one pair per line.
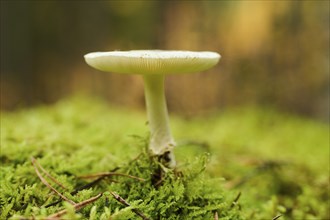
274, 53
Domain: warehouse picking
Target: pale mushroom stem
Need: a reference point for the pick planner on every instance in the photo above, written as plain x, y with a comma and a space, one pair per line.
161, 141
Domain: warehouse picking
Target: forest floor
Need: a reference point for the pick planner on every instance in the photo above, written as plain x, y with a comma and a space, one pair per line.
84, 159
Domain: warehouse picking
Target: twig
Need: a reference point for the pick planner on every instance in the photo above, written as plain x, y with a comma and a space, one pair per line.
47, 174
277, 217
216, 217
47, 184
124, 202
76, 207
106, 174
234, 203
87, 186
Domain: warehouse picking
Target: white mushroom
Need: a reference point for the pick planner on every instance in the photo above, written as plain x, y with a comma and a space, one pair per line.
154, 65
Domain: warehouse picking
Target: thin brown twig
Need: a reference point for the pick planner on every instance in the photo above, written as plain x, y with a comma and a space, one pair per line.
124, 202
216, 217
106, 174
277, 217
44, 181
88, 185
48, 175
77, 206
234, 203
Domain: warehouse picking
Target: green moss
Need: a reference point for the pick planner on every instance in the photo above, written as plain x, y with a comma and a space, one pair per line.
278, 162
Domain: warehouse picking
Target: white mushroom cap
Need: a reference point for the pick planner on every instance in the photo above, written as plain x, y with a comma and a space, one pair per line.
152, 61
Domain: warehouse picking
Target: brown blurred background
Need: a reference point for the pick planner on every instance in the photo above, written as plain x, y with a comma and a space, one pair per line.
274, 53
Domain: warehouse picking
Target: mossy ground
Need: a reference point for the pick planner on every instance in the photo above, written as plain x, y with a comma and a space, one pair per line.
278, 163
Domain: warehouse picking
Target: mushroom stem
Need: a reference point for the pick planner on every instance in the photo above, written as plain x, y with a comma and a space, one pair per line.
161, 140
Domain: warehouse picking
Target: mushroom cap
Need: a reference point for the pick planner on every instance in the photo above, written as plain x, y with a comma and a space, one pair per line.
152, 61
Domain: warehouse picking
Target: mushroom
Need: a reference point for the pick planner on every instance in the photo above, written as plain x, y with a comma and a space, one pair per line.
153, 65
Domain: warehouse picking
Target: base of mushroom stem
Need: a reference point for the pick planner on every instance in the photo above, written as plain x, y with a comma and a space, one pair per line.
167, 159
